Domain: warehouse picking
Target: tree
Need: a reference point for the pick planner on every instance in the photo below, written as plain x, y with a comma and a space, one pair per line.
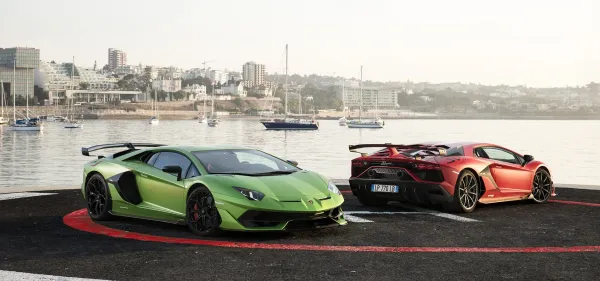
84, 85
239, 103
40, 94
179, 95
162, 95
593, 88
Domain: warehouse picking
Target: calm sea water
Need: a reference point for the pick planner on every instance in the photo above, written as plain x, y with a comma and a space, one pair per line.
53, 157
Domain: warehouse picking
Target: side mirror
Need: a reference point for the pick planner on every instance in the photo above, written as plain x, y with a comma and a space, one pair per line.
293, 163
173, 170
527, 158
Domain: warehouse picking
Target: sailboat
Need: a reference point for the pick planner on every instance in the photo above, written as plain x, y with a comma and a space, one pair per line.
342, 121
154, 119
290, 123
26, 124
70, 122
3, 120
203, 119
213, 121
376, 123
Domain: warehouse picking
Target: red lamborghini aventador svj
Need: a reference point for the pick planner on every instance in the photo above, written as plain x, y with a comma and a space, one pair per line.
456, 175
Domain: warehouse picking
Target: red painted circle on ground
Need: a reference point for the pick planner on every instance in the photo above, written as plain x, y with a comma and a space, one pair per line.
80, 220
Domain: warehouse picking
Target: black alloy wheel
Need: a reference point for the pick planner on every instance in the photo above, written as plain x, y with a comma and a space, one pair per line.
542, 186
202, 215
98, 198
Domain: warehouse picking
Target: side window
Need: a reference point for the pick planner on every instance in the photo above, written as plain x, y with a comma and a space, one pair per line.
166, 158
500, 155
192, 172
150, 160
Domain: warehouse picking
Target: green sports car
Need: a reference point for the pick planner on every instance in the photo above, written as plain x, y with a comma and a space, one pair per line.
209, 189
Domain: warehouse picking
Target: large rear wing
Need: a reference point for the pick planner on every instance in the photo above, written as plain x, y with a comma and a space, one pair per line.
130, 146
393, 148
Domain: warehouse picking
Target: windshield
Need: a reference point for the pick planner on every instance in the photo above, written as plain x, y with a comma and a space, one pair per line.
242, 161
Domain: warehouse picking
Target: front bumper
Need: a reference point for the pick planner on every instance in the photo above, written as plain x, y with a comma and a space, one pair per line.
241, 214
292, 220
408, 191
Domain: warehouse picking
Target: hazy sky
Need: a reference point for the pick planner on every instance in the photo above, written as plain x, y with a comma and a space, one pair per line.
531, 42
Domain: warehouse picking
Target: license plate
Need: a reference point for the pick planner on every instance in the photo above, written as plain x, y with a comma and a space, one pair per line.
384, 188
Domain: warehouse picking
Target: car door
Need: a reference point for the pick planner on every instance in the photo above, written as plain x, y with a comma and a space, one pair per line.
507, 171
161, 190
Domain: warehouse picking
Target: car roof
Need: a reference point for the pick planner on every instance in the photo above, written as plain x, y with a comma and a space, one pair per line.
191, 148
453, 144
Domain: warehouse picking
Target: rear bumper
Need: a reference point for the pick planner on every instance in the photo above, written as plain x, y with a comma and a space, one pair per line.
414, 192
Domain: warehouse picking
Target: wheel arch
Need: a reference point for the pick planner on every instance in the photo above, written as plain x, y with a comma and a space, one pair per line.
482, 188
543, 167
194, 187
89, 176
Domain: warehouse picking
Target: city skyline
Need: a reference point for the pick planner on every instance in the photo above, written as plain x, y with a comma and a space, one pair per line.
500, 43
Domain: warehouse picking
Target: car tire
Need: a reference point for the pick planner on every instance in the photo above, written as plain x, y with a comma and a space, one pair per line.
97, 195
541, 186
370, 200
467, 184
202, 216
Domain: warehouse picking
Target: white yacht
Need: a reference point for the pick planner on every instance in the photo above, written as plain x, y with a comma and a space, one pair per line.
375, 123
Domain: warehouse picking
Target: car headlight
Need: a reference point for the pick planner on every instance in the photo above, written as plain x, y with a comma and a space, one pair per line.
250, 194
333, 188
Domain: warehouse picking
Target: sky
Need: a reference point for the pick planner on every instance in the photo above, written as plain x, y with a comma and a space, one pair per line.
534, 43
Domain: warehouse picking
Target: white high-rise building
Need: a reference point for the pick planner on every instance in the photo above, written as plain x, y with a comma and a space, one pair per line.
253, 74
116, 59
383, 98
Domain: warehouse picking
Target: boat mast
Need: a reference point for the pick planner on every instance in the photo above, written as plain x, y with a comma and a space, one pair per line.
212, 101
286, 81
344, 96
72, 86
2, 98
13, 92
361, 94
300, 103
27, 93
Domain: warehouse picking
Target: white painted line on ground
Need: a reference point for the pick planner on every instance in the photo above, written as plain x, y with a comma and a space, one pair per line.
438, 214
452, 217
13, 275
9, 196
352, 216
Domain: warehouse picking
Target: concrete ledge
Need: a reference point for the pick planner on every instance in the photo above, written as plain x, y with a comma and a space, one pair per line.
36, 188
343, 183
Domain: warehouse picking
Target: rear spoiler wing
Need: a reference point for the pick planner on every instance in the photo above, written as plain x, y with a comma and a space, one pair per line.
130, 146
393, 148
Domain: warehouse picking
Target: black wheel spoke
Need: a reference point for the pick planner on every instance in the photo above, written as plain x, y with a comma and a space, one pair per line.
542, 186
96, 196
202, 213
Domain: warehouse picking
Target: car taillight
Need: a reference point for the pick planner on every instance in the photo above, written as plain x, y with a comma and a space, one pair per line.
422, 166
359, 163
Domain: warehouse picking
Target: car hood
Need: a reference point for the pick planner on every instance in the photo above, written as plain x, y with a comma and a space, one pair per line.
292, 187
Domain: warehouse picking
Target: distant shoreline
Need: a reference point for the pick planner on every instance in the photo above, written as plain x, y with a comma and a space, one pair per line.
253, 117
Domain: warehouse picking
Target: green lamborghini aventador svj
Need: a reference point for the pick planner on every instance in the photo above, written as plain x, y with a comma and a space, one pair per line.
208, 188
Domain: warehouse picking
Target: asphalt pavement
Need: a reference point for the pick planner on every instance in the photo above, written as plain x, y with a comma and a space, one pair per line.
559, 240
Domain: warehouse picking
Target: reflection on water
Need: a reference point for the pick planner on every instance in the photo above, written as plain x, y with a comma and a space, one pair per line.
53, 157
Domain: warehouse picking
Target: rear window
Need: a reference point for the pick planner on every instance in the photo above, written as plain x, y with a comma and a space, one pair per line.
455, 151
